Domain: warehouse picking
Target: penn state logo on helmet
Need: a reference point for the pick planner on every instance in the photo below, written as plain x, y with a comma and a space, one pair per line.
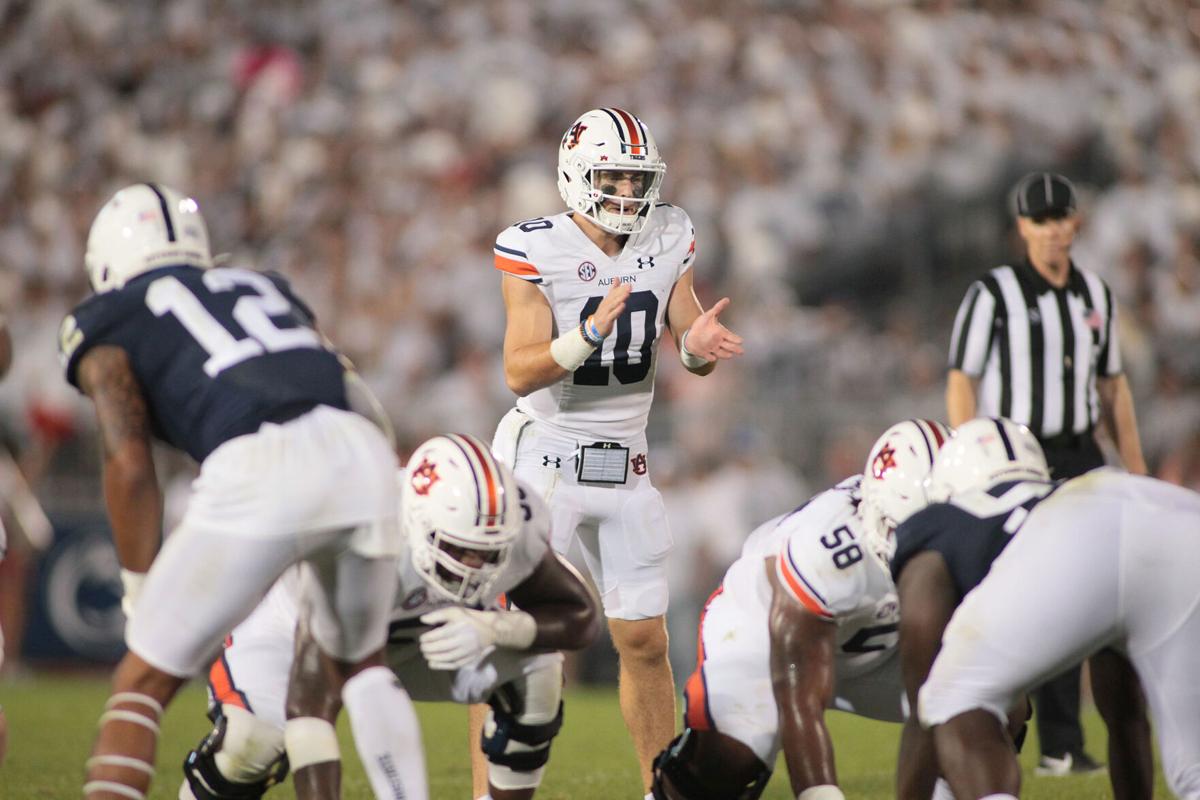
599, 153
143, 227
892, 485
461, 525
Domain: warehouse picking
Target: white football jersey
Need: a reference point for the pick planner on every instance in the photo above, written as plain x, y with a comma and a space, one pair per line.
821, 560
608, 398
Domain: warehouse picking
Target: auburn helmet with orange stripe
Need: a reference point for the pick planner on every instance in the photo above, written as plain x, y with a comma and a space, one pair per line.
599, 144
892, 485
461, 512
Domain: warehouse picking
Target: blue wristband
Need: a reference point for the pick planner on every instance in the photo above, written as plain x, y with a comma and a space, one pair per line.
593, 331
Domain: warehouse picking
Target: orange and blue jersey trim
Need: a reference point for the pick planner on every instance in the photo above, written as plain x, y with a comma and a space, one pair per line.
696, 713
799, 586
222, 687
514, 262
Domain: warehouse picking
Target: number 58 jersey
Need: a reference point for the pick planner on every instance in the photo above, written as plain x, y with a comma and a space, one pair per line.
609, 396
822, 562
217, 351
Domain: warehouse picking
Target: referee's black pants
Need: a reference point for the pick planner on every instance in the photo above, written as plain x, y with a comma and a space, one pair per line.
1057, 700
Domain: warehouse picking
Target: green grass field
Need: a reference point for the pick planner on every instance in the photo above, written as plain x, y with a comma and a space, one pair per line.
52, 722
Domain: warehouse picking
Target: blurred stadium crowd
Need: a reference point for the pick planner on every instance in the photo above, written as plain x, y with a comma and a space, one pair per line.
846, 164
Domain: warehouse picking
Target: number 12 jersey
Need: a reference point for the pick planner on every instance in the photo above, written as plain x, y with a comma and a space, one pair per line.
217, 351
609, 396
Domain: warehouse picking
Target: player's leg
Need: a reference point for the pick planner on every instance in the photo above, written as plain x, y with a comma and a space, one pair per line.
178, 639
730, 718
350, 596
646, 686
244, 754
627, 558
1061, 578
477, 714
1122, 705
524, 715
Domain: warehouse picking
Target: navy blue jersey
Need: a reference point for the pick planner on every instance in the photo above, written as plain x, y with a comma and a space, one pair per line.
967, 533
217, 351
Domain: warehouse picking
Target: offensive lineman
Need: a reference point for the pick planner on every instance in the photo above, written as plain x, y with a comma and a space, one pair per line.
804, 621
224, 364
587, 294
1105, 566
474, 533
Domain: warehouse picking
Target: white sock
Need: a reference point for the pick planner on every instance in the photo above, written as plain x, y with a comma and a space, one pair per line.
649, 796
941, 790
386, 735
999, 797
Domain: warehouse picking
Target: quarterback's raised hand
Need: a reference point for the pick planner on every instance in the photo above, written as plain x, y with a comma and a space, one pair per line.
611, 307
711, 340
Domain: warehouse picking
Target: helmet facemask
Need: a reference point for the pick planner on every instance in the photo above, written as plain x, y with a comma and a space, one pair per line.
442, 565
617, 213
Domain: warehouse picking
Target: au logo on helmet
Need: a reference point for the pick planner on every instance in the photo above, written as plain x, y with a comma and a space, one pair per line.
885, 460
424, 477
574, 134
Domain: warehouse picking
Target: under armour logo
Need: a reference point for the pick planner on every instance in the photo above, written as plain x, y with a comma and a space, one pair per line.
551, 461
645, 262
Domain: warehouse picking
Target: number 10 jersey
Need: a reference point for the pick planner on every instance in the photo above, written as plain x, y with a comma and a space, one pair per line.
608, 398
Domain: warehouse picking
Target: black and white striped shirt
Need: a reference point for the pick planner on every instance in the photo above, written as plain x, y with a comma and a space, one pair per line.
1037, 350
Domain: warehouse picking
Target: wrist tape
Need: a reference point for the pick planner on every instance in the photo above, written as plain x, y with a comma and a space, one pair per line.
690, 359
573, 348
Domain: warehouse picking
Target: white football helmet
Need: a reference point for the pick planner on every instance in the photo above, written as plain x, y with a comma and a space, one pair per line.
606, 139
456, 496
143, 227
893, 480
983, 453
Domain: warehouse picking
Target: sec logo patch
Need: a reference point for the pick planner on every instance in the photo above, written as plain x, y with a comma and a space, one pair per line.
587, 271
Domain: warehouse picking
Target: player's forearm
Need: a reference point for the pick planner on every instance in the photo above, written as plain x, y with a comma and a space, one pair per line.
1121, 420
134, 504
960, 398
807, 749
530, 368
565, 627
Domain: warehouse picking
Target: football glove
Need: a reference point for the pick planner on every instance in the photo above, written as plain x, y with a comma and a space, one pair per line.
464, 636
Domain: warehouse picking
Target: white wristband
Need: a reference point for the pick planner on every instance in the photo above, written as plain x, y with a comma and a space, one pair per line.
823, 792
131, 585
515, 630
689, 359
570, 350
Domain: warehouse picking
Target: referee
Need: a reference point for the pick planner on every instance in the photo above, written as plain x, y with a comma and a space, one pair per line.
1037, 343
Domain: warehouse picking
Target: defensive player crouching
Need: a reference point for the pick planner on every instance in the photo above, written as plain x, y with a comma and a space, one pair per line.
474, 536
804, 621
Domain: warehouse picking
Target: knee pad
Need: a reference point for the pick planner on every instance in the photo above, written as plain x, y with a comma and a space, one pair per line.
672, 766
239, 759
525, 715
